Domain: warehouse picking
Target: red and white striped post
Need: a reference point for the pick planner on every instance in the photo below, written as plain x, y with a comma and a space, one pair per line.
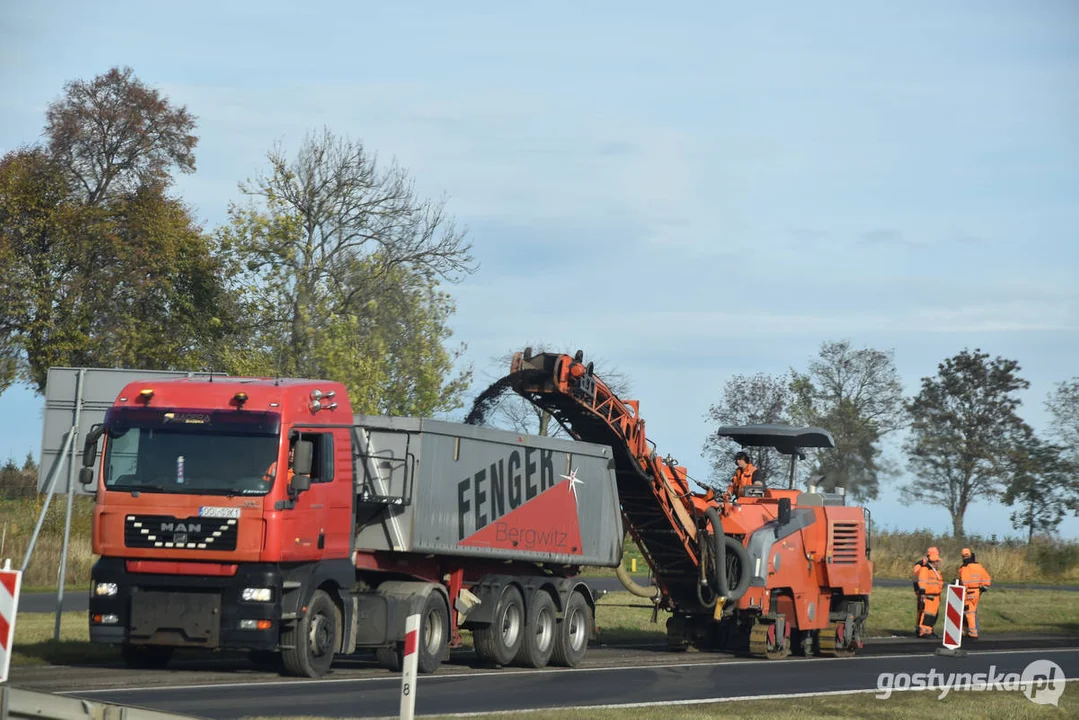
408, 667
953, 616
10, 580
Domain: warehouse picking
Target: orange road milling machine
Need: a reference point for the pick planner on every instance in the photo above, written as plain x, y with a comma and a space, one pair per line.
768, 570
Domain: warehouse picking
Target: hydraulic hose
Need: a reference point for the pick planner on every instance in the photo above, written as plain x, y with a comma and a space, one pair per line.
723, 543
651, 593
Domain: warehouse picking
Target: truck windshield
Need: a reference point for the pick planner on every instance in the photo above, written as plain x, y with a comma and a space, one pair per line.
166, 455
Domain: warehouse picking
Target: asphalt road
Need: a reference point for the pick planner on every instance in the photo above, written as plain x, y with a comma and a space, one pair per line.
78, 600
506, 690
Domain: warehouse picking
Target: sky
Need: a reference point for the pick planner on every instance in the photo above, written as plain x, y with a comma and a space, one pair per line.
686, 191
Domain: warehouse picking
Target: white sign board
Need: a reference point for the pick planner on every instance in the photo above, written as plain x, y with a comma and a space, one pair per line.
100, 386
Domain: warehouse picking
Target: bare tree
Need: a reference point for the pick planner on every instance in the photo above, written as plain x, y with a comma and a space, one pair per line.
1063, 407
335, 233
856, 395
513, 412
748, 400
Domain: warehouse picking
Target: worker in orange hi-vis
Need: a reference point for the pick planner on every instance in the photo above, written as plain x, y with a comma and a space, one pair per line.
744, 474
928, 585
975, 578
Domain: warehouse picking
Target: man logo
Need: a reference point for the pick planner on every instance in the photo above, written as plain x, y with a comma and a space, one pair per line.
1043, 682
181, 527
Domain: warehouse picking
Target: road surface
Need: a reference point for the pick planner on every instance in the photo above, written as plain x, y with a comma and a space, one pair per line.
449, 691
78, 600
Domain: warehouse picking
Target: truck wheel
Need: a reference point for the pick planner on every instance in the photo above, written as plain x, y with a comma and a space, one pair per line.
312, 642
434, 634
540, 629
571, 640
500, 641
146, 657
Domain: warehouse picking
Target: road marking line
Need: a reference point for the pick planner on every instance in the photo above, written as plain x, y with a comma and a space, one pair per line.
396, 677
703, 701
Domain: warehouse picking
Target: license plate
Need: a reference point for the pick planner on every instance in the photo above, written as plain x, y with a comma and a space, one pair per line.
219, 512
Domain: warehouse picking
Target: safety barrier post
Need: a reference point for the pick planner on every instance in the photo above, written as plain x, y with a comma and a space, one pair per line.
955, 595
10, 581
408, 667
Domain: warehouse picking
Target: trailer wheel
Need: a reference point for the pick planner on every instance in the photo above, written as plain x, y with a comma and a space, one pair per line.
311, 643
146, 657
541, 628
434, 634
500, 641
571, 640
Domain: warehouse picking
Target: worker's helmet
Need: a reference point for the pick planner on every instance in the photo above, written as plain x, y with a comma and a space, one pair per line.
965, 552
933, 554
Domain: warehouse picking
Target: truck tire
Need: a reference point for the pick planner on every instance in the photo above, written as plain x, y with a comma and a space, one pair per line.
541, 628
311, 643
146, 657
500, 641
571, 640
434, 636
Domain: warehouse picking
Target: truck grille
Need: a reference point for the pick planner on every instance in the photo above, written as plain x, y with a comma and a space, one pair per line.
845, 544
193, 533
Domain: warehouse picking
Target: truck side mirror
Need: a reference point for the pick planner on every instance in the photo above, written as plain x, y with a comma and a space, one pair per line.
89, 449
86, 475
301, 465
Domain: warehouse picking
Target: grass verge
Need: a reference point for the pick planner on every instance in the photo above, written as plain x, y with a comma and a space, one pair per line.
903, 705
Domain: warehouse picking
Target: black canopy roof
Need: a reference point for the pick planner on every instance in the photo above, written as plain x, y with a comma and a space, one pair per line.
787, 439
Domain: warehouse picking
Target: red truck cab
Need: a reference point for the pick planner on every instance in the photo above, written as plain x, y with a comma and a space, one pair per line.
217, 498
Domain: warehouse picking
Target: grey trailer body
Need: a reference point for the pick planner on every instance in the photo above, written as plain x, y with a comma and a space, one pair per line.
433, 487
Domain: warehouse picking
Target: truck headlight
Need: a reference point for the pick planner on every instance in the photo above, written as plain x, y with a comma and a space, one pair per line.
106, 589
257, 594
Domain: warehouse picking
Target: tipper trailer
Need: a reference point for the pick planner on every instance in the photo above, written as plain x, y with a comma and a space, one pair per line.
261, 515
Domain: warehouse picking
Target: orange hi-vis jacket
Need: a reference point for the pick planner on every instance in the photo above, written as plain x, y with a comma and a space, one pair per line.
928, 579
743, 476
974, 576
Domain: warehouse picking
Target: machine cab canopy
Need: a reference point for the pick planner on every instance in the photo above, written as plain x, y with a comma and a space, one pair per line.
787, 439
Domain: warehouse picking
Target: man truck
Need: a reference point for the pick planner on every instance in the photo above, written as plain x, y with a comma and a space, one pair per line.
262, 515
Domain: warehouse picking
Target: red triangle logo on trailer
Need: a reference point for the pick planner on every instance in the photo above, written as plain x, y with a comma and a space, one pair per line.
547, 523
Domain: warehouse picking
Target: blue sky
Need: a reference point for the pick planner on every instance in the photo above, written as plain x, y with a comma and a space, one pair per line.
685, 190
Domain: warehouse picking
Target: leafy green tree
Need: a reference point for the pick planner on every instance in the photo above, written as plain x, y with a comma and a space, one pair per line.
29, 465
856, 395
103, 267
1042, 484
749, 400
339, 266
965, 432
